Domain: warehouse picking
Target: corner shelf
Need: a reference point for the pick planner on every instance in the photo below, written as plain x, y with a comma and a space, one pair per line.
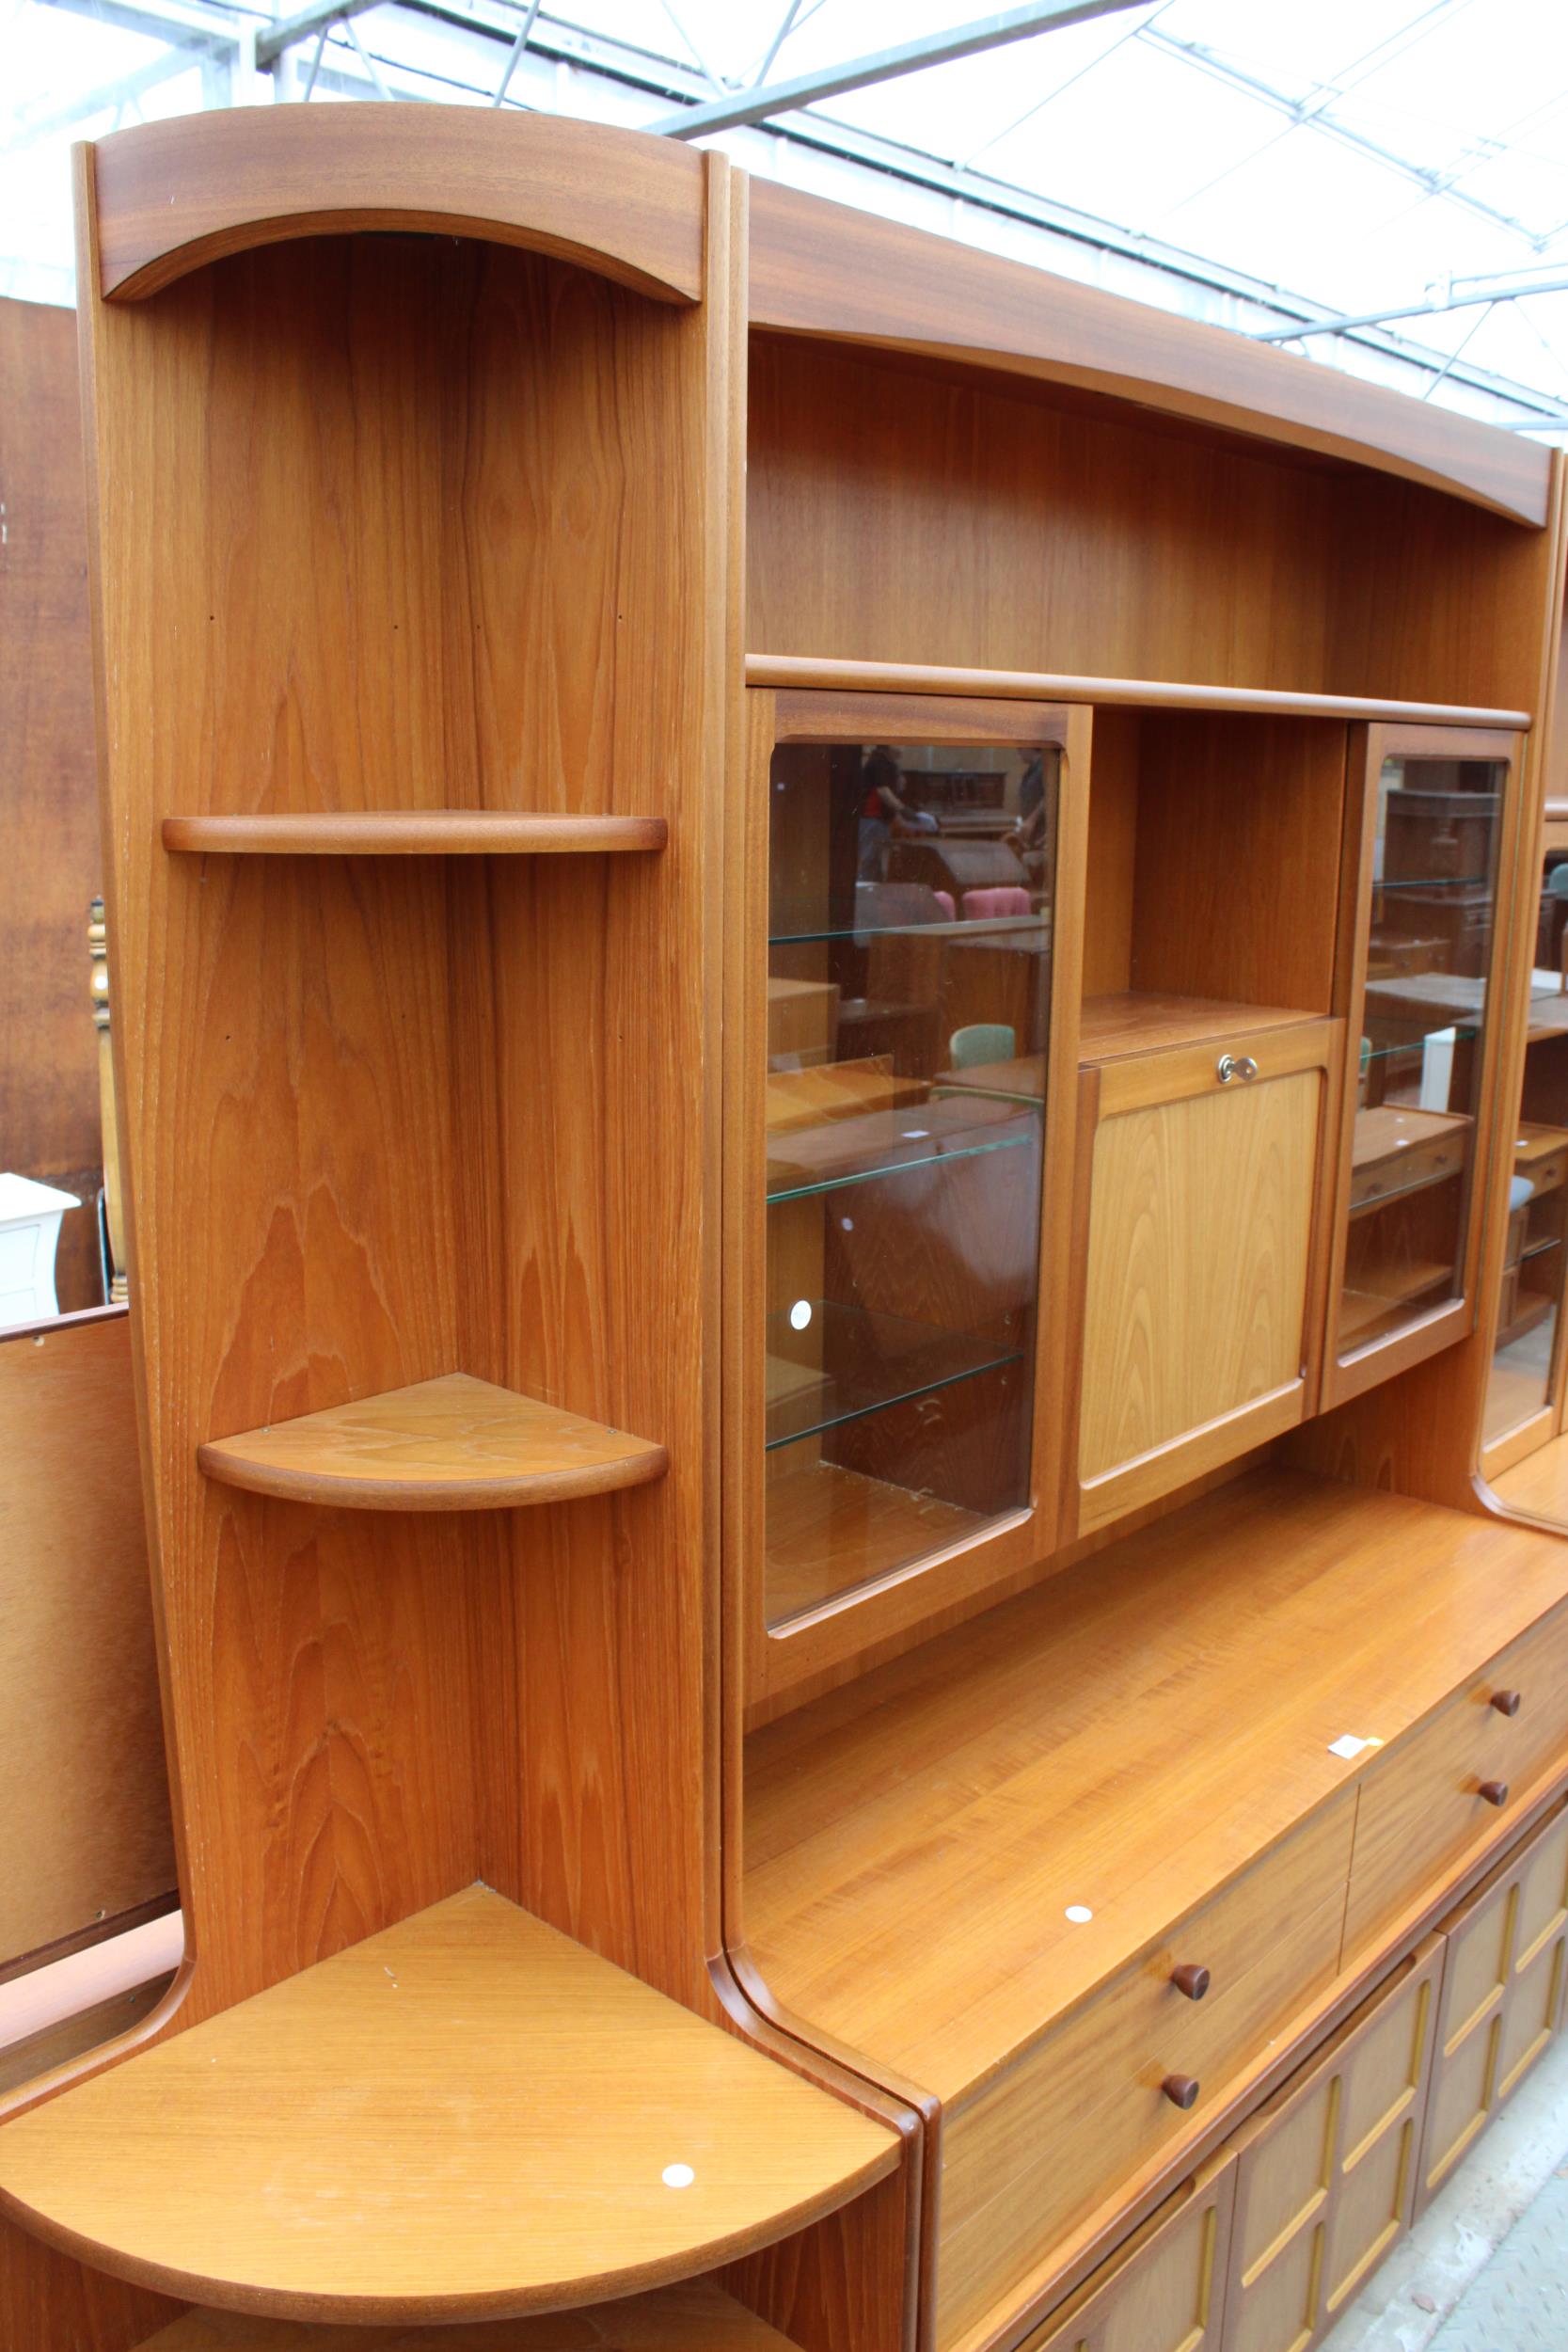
451, 1444
411, 833
466, 2115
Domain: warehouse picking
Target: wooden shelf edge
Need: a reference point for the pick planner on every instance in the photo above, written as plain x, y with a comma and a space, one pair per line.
412, 833
450, 1444
803, 671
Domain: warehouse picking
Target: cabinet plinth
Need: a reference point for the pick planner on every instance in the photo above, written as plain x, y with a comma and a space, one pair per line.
452, 1444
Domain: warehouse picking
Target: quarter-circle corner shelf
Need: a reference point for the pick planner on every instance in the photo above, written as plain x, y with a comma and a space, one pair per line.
412, 833
465, 2116
450, 1444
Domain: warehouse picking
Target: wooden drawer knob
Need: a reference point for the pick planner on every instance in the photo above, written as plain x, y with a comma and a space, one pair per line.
1191, 1980
1506, 1701
1181, 2090
1493, 1792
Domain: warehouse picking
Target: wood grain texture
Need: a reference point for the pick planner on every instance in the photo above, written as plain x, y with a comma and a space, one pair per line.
819, 269
696, 2318
49, 1114
455, 506
47, 2301
466, 2114
452, 1444
1199, 1241
86, 1834
413, 832
1421, 1807
823, 673
1237, 886
1134, 1735
1144, 1021
173, 195
1083, 2112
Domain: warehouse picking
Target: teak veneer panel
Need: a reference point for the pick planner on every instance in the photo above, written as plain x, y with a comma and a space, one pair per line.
1126, 1737
1135, 1021
466, 2115
821, 269
172, 196
424, 523
452, 1444
413, 832
1180, 1189
698, 2317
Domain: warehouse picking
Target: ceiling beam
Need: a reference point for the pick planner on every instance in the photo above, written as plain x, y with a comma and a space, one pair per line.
271, 44
1507, 288
882, 65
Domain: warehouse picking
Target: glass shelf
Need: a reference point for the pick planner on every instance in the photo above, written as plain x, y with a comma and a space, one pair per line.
1462, 1033
934, 1134
1028, 933
839, 1362
1436, 882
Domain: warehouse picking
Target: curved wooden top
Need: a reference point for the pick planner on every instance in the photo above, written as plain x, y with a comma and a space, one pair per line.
819, 268
466, 2115
172, 196
413, 832
452, 1444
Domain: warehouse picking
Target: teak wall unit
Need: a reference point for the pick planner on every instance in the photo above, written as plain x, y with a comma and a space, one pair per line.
817, 947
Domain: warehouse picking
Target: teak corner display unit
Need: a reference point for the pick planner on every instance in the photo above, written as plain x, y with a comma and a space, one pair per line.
817, 958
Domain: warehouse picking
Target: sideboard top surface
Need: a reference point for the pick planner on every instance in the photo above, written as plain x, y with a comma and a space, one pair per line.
1123, 1740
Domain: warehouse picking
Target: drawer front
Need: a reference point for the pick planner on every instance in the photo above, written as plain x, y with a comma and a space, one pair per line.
1548, 1174
1160, 2291
1422, 1806
1535, 1666
1325, 2172
1086, 2107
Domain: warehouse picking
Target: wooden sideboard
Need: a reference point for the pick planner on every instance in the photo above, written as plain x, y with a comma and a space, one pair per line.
818, 963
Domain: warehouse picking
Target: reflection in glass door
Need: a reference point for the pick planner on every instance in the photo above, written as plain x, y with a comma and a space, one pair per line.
909, 971
1435, 881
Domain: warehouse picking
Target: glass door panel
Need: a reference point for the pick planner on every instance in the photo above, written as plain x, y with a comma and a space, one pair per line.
909, 988
1435, 880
